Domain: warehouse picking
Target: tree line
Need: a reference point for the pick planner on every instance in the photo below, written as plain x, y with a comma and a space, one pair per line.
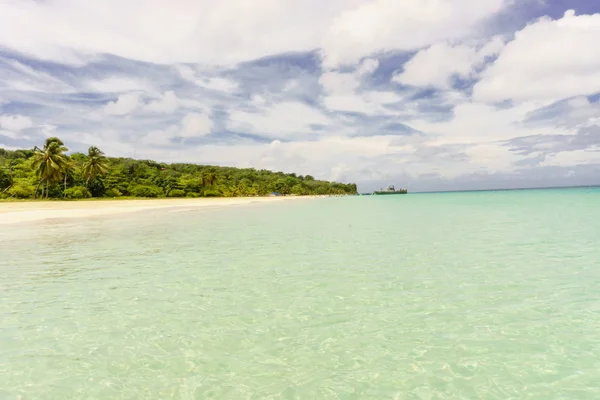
50, 173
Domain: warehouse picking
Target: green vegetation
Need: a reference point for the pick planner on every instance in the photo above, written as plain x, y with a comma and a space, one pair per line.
50, 173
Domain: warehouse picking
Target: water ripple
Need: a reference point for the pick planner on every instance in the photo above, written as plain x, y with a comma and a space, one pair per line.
463, 296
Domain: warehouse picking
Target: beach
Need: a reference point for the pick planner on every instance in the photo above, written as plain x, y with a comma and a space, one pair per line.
18, 212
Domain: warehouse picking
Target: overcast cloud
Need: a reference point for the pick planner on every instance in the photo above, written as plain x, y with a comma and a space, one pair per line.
424, 94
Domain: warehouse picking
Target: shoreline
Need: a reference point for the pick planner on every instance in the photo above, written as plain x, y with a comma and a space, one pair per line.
30, 211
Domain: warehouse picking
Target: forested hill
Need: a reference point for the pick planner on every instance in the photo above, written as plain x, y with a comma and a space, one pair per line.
49, 172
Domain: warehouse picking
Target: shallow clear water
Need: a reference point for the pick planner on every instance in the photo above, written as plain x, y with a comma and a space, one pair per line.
490, 295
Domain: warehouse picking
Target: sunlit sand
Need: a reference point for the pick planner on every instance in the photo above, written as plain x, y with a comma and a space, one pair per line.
35, 211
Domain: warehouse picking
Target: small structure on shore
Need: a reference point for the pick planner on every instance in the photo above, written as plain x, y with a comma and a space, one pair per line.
390, 190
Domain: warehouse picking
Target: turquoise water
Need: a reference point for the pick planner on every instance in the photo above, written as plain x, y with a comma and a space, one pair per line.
490, 295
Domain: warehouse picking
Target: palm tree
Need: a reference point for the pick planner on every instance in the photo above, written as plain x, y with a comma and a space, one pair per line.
95, 165
49, 162
209, 177
69, 168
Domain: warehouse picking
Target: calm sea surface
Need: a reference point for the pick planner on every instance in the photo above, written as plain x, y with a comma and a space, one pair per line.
489, 295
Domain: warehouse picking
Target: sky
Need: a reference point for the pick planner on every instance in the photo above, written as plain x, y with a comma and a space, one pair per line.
422, 94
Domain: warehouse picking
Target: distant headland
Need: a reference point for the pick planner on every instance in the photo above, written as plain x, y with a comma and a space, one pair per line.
50, 173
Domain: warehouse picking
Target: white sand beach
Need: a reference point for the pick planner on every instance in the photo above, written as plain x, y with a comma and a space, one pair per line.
18, 212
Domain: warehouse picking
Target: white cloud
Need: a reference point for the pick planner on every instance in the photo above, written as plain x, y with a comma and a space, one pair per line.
368, 66
21, 77
15, 123
192, 125
368, 102
118, 85
282, 120
48, 130
167, 104
125, 104
381, 97
461, 134
9, 134
221, 85
7, 147
436, 65
195, 124
480, 129
213, 83
490, 158
12, 126
210, 32
347, 82
258, 101
547, 61
342, 91
356, 103
160, 137
578, 111
402, 25
338, 82
474, 123
573, 158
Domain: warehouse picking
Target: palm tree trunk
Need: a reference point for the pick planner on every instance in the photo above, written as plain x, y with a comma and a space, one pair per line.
65, 189
37, 188
47, 188
11, 178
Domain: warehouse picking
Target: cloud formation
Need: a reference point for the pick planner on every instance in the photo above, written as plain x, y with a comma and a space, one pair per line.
547, 61
429, 94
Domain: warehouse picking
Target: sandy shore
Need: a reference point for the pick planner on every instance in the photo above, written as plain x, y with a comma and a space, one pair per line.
35, 211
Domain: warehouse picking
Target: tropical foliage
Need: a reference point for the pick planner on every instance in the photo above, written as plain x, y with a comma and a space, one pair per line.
49, 172
95, 165
50, 163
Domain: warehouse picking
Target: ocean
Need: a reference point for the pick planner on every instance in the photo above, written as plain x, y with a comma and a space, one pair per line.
482, 295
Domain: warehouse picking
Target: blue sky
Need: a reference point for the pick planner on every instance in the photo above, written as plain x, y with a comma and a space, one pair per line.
424, 94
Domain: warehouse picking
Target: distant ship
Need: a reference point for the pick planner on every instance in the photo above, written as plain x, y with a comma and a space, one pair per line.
391, 190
